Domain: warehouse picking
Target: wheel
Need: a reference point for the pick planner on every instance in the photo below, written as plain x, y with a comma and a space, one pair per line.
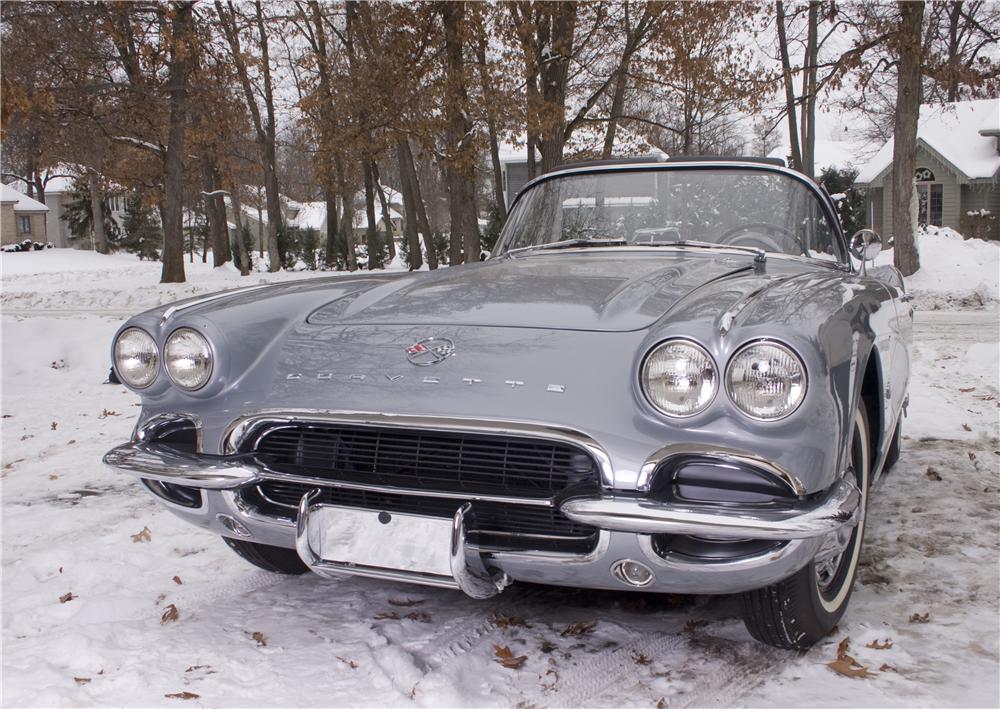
276, 559
893, 454
801, 610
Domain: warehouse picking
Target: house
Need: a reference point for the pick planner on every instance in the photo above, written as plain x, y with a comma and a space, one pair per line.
586, 143
60, 191
957, 174
21, 217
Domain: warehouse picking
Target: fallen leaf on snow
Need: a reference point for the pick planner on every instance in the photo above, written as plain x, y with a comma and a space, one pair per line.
54, 426
419, 616
67, 597
967, 427
391, 615
548, 647
876, 645
348, 661
182, 695
53, 476
694, 624
886, 667
506, 658
195, 668
662, 703
106, 413
82, 680
259, 637
918, 618
510, 621
177, 580
405, 602
170, 614
641, 658
143, 536
71, 441
966, 390
583, 627
972, 456
850, 669
413, 691
933, 474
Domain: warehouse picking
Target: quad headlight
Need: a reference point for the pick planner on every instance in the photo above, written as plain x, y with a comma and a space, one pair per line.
679, 378
766, 380
187, 357
136, 358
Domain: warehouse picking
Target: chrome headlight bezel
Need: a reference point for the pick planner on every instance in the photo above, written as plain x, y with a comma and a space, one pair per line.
154, 364
785, 349
209, 357
644, 379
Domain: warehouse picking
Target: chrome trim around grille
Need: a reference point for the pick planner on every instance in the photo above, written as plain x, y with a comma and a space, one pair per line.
729, 455
238, 432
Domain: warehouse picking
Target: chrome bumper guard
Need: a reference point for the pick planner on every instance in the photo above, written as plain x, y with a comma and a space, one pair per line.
838, 507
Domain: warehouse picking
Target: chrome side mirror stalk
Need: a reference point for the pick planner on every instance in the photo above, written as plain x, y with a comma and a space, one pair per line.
866, 244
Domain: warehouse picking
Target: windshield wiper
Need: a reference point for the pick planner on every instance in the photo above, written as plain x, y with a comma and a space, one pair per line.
570, 244
760, 256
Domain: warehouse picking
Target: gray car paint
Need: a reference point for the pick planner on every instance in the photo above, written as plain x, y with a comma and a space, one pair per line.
580, 319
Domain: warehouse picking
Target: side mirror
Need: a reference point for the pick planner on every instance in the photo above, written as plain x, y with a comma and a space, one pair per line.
866, 244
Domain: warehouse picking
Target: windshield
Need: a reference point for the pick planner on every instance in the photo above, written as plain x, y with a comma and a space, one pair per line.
759, 209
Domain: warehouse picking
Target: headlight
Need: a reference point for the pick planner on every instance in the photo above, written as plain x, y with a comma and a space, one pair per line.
136, 358
679, 378
766, 380
187, 357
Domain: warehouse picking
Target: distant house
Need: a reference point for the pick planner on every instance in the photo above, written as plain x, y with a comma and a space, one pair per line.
21, 217
585, 144
59, 193
957, 173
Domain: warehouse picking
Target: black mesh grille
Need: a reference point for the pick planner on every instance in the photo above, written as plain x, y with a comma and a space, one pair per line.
492, 523
431, 460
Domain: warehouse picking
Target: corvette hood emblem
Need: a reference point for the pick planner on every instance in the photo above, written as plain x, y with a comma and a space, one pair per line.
431, 350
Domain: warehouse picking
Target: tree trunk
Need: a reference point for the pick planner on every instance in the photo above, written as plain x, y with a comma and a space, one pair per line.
215, 212
241, 246
491, 128
905, 135
409, 212
558, 27
374, 249
386, 216
460, 165
617, 105
808, 98
786, 71
347, 218
173, 172
409, 173
330, 197
97, 215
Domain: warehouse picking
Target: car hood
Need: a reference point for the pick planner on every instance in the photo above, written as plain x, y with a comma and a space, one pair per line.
596, 291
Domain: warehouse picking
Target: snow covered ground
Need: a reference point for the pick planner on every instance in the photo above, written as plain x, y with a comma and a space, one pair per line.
92, 566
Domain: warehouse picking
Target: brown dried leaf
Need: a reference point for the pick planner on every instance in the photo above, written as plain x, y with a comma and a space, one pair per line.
918, 618
583, 627
967, 427
419, 616
71, 441
53, 476
986, 397
966, 390
876, 645
887, 668
548, 647
413, 691
170, 614
693, 624
67, 597
143, 536
510, 621
348, 661
54, 426
405, 602
972, 456
842, 649
82, 680
177, 580
850, 668
195, 668
506, 658
661, 703
259, 637
933, 474
182, 695
641, 658
390, 615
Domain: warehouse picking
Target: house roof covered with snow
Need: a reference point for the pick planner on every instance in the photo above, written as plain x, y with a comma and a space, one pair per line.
962, 135
21, 202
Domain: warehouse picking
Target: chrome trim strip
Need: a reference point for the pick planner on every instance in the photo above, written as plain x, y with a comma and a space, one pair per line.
243, 427
269, 475
838, 507
174, 309
728, 455
741, 564
556, 557
155, 424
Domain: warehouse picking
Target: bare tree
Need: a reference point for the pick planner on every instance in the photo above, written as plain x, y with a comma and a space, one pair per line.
907, 43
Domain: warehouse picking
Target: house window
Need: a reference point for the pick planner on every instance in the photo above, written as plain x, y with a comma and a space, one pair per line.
24, 224
930, 203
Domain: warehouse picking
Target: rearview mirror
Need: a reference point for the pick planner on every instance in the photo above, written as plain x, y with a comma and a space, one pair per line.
866, 244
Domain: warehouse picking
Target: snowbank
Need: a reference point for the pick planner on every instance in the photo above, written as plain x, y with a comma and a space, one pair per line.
954, 272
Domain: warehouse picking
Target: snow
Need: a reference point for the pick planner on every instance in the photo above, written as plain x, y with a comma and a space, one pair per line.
953, 271
951, 130
22, 202
311, 215
933, 546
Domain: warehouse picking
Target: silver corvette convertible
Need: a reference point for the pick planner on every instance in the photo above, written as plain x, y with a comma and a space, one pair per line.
668, 377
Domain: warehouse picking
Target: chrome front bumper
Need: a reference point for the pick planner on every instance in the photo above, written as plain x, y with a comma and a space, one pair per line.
812, 518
